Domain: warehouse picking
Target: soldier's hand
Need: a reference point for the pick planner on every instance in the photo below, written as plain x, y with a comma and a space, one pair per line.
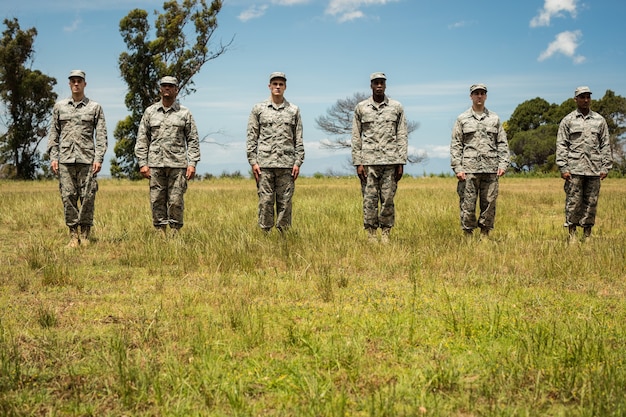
256, 171
360, 172
54, 165
566, 176
145, 171
97, 166
295, 171
460, 176
399, 172
191, 172
603, 175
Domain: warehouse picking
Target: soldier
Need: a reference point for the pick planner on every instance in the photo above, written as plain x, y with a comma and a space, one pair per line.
77, 143
379, 152
583, 155
479, 155
275, 152
167, 149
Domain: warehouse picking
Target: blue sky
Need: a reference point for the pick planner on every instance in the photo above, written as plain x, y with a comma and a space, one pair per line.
431, 52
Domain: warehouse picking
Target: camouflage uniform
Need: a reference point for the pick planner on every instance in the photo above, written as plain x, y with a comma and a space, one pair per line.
167, 142
77, 139
479, 148
583, 150
274, 142
379, 143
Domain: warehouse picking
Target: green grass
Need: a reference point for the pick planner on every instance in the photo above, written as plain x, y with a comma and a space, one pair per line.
225, 321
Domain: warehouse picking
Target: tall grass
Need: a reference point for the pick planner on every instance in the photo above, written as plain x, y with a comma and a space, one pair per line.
225, 320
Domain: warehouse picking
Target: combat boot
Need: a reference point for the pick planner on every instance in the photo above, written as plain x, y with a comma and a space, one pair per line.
74, 238
587, 232
84, 235
384, 237
161, 231
484, 233
572, 234
371, 234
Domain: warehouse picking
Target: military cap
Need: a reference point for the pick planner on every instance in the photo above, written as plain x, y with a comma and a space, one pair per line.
278, 75
475, 87
169, 80
581, 90
378, 75
77, 73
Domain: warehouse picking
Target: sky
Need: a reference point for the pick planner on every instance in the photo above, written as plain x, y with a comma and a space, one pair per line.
430, 51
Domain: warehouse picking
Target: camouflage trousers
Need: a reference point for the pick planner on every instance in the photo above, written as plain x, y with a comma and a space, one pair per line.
78, 184
478, 186
275, 187
167, 190
379, 186
581, 200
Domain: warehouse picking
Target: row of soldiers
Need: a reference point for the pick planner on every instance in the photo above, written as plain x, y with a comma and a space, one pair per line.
167, 150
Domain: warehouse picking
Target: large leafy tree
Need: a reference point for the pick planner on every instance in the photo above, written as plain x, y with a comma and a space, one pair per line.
177, 49
337, 122
27, 97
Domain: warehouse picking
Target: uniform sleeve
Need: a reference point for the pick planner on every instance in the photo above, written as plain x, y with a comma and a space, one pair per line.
403, 136
54, 134
562, 146
298, 140
357, 140
142, 143
504, 156
456, 148
193, 141
252, 141
101, 135
605, 148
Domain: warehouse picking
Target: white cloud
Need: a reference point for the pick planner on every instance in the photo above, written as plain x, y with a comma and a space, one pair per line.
74, 26
566, 44
457, 25
553, 8
252, 12
346, 10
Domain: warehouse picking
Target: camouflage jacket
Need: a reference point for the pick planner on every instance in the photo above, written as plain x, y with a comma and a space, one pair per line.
167, 139
479, 143
78, 132
379, 133
582, 144
274, 135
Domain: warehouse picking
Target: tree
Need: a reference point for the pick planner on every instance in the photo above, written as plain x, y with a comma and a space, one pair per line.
146, 61
338, 123
28, 98
535, 148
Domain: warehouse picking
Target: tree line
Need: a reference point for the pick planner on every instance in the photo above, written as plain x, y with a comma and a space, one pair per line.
182, 44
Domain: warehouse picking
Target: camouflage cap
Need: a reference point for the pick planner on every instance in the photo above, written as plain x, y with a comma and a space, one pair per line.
77, 73
378, 76
581, 90
168, 80
278, 75
475, 87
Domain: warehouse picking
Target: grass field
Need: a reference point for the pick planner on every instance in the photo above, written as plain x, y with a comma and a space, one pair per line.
226, 321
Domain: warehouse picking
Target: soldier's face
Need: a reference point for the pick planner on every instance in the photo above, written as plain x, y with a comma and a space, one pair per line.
277, 87
478, 97
169, 90
77, 85
583, 101
379, 86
